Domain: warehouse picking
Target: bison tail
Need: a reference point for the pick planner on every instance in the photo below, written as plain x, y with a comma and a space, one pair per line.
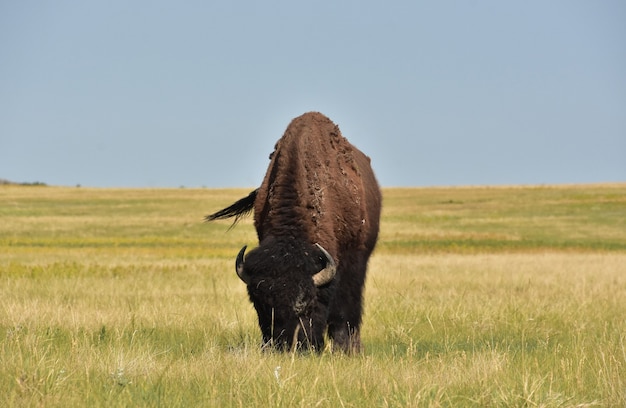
239, 209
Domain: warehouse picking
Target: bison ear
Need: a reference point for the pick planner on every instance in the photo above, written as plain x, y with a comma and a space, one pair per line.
327, 274
239, 263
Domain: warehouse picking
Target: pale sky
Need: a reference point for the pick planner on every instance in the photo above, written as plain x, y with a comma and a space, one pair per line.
196, 93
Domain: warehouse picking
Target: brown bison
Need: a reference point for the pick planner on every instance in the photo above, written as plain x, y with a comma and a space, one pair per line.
317, 216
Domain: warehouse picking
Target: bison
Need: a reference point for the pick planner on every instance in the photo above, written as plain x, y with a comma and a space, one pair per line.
317, 215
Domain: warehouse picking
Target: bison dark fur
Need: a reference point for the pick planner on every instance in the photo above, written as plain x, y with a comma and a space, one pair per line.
318, 209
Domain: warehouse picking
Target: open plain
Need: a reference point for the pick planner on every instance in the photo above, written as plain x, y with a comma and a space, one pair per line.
476, 296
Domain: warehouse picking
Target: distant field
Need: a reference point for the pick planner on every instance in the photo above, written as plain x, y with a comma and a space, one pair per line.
476, 296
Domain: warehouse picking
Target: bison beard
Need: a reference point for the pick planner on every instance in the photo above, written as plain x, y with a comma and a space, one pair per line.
317, 217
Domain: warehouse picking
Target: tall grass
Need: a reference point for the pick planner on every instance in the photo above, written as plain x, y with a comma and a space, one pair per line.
475, 297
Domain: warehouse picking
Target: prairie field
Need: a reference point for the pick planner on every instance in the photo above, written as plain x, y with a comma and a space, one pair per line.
476, 296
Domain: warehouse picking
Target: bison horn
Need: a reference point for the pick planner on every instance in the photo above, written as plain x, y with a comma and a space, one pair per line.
328, 273
239, 266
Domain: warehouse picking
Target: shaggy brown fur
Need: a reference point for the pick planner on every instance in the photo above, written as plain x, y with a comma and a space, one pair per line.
318, 189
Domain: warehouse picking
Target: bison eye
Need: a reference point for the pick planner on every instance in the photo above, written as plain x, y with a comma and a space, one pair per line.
300, 304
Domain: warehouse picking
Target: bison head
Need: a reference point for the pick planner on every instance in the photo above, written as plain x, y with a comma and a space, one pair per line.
290, 284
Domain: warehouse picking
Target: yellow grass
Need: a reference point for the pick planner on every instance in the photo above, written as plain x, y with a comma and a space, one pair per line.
509, 296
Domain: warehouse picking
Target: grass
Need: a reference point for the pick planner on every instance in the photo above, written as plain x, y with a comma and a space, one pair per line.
509, 296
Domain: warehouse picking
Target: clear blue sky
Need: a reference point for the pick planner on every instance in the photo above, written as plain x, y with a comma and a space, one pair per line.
196, 93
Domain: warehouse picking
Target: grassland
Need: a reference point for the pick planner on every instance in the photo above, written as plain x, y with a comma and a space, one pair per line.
508, 296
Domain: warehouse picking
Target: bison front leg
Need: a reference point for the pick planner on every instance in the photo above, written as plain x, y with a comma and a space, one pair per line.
345, 338
344, 319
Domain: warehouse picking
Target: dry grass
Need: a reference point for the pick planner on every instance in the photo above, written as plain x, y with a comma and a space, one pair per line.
476, 297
